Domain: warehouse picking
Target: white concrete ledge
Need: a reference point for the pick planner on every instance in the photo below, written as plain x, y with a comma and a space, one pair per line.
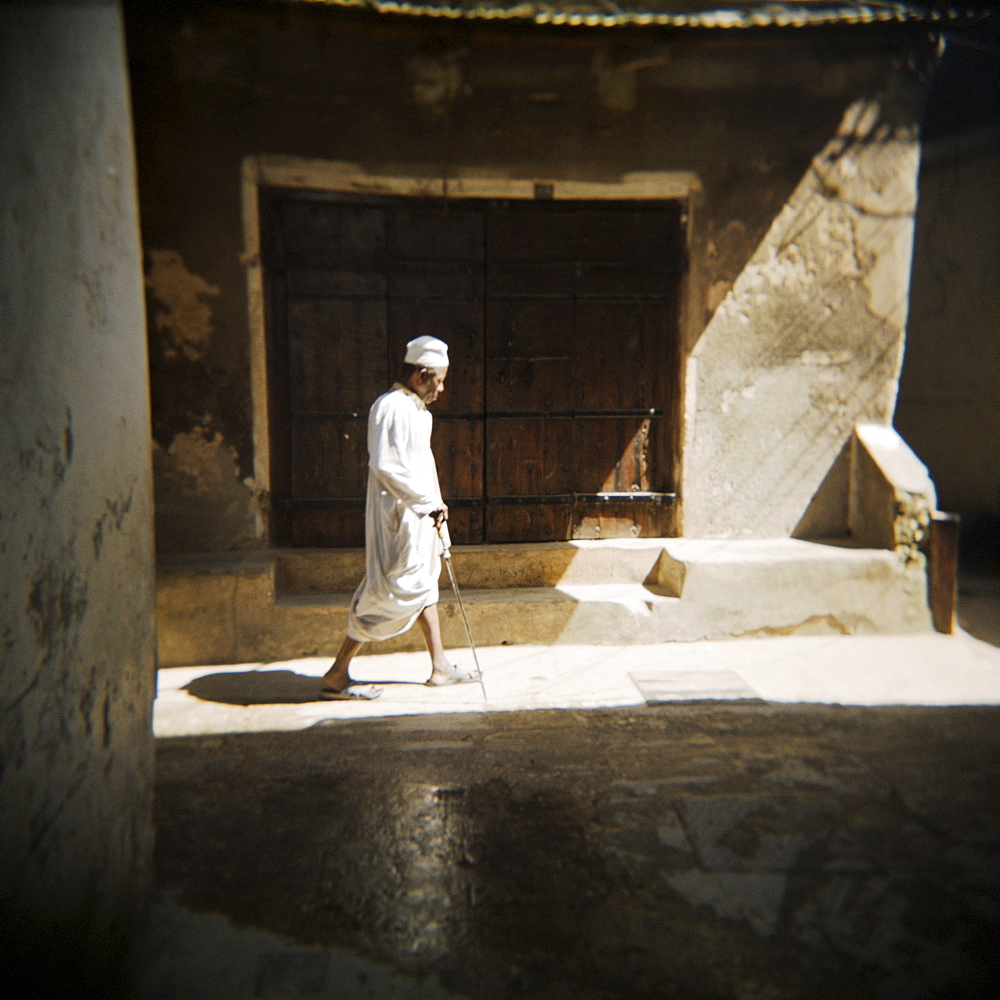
272, 606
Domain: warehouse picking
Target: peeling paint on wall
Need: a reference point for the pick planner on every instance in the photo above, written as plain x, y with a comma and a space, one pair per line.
181, 311
218, 510
208, 460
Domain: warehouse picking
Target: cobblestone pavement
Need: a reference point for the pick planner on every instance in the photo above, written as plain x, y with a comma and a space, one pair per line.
692, 850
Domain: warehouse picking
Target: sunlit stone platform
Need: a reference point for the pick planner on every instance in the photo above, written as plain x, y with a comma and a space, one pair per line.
281, 604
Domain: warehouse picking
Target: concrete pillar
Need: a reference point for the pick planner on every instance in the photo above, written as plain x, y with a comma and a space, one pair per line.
76, 555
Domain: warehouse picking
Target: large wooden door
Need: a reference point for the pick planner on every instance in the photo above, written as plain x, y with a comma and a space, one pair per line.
347, 284
581, 325
561, 320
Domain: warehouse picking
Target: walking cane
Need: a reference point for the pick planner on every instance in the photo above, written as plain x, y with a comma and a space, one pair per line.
461, 607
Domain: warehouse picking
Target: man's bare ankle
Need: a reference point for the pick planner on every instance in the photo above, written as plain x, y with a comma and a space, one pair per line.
337, 680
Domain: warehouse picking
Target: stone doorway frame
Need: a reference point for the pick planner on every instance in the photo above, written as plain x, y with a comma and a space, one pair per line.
341, 176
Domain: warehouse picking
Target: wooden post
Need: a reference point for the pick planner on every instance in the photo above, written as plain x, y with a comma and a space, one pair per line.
942, 570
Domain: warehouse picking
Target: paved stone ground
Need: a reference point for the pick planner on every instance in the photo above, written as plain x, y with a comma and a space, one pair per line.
689, 850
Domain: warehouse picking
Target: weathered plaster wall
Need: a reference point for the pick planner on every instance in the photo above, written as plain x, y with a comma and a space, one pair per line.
213, 85
810, 340
76, 553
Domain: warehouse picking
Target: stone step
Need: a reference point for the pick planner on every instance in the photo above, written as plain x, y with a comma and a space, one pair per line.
785, 585
603, 614
546, 564
281, 605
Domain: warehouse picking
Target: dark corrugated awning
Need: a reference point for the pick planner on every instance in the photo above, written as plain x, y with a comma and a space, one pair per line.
671, 13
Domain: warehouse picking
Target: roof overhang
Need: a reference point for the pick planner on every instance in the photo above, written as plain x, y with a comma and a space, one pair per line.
673, 14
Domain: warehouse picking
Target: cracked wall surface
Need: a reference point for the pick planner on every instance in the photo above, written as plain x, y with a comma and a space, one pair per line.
810, 339
76, 563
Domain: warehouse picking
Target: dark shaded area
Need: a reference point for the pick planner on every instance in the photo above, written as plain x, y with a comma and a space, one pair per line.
695, 851
40, 956
262, 687
955, 263
966, 91
979, 545
256, 687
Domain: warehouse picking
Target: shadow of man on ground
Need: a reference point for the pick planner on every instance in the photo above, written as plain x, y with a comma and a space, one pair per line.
262, 687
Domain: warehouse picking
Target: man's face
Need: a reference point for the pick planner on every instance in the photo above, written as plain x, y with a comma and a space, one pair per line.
431, 385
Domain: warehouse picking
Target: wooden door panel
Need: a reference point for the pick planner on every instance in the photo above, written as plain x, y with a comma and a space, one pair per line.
604, 346
329, 457
528, 522
466, 523
458, 452
529, 328
605, 519
621, 358
336, 353
311, 283
538, 386
614, 455
555, 522
530, 456
325, 235
339, 526
628, 235
421, 280
531, 233
621, 280
437, 231
582, 232
555, 279
561, 319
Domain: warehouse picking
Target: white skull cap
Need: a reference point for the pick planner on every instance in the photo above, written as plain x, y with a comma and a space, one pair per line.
428, 352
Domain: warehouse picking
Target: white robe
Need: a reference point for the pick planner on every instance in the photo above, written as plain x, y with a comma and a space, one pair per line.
402, 547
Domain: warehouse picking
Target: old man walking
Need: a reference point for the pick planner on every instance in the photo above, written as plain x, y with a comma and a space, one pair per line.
405, 525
